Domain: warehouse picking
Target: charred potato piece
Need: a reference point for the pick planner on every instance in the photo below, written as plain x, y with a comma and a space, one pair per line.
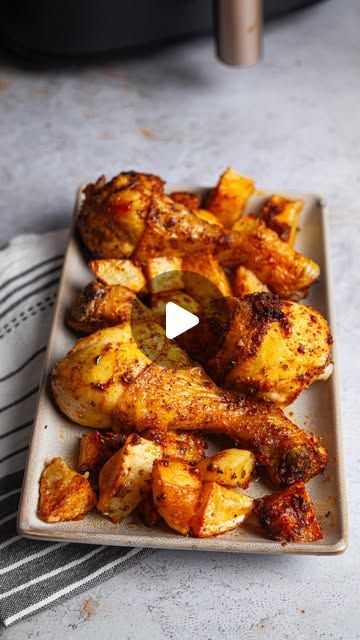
96, 448
176, 492
231, 467
245, 282
164, 274
147, 511
64, 493
281, 215
123, 272
183, 445
221, 509
99, 305
289, 515
126, 477
112, 216
189, 200
229, 198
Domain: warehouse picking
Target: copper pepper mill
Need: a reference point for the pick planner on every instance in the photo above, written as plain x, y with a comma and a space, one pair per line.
238, 29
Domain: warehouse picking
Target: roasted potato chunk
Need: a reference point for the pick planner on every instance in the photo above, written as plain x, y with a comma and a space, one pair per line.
98, 306
123, 272
208, 266
245, 282
96, 447
189, 200
221, 509
64, 493
207, 216
289, 515
230, 467
126, 478
183, 445
229, 198
281, 215
147, 511
164, 274
176, 492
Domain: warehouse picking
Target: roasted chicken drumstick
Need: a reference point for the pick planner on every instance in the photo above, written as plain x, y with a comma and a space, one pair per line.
106, 380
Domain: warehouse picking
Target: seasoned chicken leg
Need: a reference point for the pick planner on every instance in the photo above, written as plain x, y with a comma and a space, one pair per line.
274, 348
131, 216
105, 379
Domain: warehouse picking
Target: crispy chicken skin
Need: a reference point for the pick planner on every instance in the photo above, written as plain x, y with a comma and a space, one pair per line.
87, 383
289, 515
274, 348
131, 216
189, 400
274, 262
112, 217
106, 380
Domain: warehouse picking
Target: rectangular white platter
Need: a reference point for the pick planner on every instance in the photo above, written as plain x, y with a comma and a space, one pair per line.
317, 409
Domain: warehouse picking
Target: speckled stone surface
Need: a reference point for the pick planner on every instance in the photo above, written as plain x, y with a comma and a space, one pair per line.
291, 122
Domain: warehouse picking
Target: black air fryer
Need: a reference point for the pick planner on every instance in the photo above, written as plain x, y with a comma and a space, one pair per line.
79, 28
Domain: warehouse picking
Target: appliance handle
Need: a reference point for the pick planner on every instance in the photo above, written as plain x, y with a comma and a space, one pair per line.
239, 31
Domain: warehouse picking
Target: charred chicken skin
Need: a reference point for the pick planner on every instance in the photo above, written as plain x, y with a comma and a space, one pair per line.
106, 380
132, 216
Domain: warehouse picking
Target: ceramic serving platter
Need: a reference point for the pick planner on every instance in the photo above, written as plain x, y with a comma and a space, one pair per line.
317, 409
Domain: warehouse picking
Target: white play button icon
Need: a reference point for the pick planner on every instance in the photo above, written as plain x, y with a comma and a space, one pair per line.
178, 320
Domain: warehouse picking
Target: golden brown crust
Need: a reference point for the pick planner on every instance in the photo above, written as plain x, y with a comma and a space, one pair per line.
221, 509
274, 348
245, 281
181, 445
189, 400
281, 215
118, 272
274, 262
64, 493
289, 515
99, 305
189, 200
112, 217
96, 447
230, 196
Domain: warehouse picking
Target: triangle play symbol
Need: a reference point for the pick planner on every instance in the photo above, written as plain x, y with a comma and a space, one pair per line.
178, 320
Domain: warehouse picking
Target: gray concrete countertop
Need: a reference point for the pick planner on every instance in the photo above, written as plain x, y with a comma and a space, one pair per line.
292, 122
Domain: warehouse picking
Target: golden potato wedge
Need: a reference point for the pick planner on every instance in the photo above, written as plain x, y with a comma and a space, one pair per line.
245, 282
64, 493
176, 492
189, 200
221, 509
207, 216
96, 447
123, 272
231, 467
183, 445
126, 478
164, 274
281, 215
147, 511
229, 198
208, 266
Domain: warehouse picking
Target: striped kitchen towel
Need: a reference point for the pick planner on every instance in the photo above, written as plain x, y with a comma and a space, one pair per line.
33, 574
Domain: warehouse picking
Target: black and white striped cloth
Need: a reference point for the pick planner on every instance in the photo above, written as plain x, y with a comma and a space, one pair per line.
33, 574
